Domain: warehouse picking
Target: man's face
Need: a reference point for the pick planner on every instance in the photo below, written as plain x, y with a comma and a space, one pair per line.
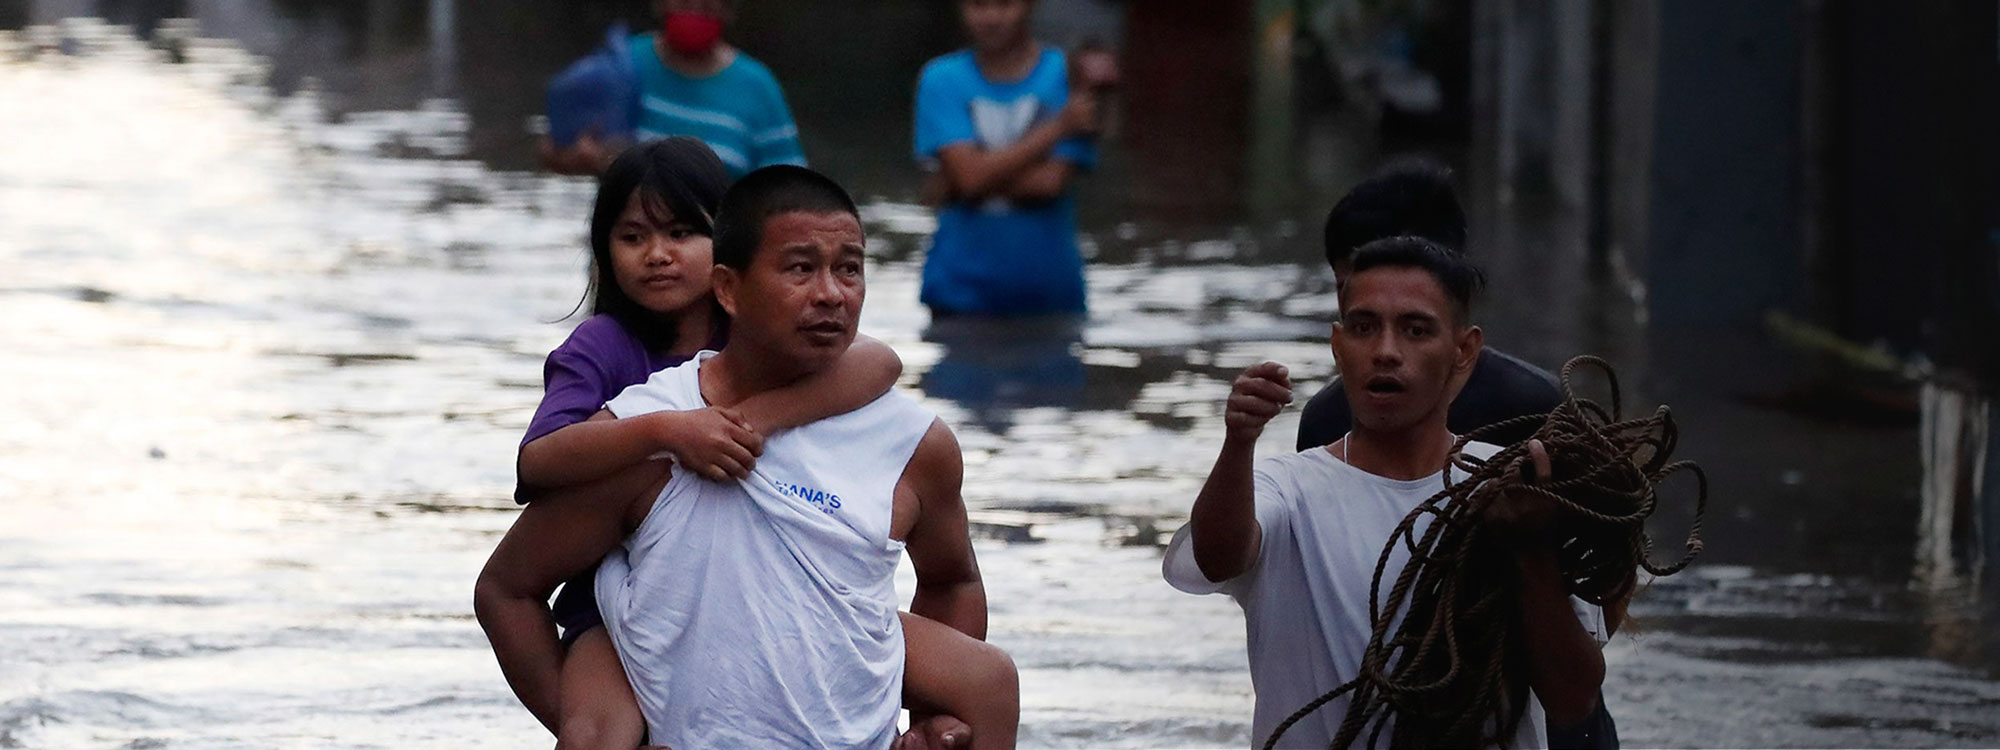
1402, 352
800, 299
996, 24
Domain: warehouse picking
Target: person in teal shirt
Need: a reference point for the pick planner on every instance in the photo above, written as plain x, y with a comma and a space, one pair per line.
691, 82
1004, 135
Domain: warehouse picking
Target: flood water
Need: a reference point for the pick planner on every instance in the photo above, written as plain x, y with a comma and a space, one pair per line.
276, 300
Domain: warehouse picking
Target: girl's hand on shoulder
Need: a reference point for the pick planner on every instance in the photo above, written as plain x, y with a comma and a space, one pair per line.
716, 443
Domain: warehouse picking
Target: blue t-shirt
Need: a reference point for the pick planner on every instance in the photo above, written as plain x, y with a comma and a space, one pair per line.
996, 256
739, 111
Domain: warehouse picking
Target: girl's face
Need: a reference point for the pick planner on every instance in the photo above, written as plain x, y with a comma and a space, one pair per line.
662, 263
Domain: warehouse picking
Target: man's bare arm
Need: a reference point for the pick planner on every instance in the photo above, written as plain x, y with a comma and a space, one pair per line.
1223, 525
1565, 665
949, 589
553, 540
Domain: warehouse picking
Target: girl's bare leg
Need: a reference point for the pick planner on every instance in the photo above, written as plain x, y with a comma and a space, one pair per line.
949, 672
599, 711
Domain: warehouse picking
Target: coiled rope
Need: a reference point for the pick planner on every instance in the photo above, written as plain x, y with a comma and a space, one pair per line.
1451, 673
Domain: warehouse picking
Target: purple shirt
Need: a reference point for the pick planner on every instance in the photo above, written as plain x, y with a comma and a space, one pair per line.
599, 360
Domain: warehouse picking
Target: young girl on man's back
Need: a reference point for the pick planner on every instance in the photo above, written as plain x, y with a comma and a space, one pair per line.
651, 247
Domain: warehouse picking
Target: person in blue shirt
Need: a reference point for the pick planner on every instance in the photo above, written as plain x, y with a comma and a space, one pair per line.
691, 82
1004, 135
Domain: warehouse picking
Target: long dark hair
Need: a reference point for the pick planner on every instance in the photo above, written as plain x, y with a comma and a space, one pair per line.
678, 177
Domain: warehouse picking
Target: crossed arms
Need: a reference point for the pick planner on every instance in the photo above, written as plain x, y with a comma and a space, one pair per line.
1025, 170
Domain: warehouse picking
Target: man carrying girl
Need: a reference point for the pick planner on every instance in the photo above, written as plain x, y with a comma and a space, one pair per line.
746, 611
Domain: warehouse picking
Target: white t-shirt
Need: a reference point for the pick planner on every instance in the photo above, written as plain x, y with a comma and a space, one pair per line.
762, 613
1305, 599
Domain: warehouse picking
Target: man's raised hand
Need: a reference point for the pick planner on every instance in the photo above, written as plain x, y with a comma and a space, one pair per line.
1257, 395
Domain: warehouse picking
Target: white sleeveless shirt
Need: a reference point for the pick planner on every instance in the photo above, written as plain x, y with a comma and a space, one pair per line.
762, 613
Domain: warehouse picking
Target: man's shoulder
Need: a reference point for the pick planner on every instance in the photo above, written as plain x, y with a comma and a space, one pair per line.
1504, 388
642, 51
938, 448
640, 45
1513, 383
1052, 71
894, 400
1326, 416
955, 68
1475, 450
932, 457
1310, 459
1295, 473
751, 71
907, 408
890, 414
911, 414
1480, 450
1514, 372
675, 388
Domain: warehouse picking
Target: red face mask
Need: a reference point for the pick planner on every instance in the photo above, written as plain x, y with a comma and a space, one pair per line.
693, 34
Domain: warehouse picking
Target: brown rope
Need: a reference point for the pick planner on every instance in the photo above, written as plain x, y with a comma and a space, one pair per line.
1450, 673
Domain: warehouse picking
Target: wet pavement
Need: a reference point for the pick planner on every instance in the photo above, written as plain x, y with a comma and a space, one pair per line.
272, 338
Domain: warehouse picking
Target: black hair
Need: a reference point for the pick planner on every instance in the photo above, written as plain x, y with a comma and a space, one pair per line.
677, 178
768, 192
1409, 196
1461, 280
654, 7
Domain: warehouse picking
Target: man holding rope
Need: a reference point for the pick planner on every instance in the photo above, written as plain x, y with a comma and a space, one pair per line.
1414, 196
1296, 539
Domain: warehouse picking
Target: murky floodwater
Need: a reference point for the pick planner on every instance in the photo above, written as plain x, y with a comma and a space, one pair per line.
266, 364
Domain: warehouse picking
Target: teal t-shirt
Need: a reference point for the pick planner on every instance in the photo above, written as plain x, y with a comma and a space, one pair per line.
996, 256
739, 111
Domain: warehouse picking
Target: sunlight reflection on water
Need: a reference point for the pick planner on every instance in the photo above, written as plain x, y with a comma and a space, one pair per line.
267, 369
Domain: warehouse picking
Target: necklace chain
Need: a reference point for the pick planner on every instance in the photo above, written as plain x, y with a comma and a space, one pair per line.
1347, 444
